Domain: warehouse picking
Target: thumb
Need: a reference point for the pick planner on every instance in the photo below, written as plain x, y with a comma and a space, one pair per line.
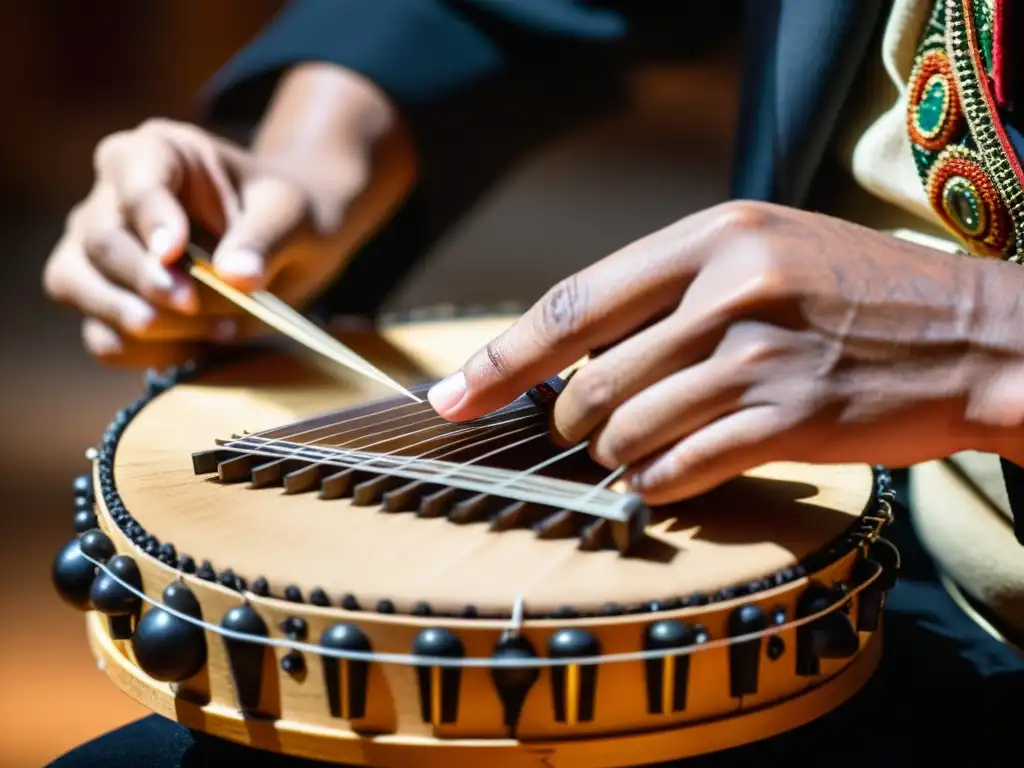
271, 211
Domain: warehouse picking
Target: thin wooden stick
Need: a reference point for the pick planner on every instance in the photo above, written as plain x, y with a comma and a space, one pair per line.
282, 318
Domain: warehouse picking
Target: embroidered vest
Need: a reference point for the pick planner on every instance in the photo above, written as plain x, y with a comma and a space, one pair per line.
971, 174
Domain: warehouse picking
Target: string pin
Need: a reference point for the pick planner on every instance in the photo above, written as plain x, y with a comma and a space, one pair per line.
515, 624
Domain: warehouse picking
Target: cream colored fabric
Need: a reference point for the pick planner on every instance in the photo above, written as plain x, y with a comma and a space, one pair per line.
969, 538
960, 506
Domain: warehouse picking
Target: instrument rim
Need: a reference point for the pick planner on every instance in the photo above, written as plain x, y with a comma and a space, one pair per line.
146, 544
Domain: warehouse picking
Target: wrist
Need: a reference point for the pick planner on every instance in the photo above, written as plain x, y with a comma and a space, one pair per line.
995, 402
334, 133
323, 107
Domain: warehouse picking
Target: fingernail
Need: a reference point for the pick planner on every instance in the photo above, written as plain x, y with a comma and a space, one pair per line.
446, 394
239, 263
647, 478
137, 315
225, 330
160, 241
183, 297
159, 275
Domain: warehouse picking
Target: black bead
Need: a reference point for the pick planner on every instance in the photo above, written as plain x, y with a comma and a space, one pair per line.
97, 545
167, 550
167, 647
83, 487
179, 597
385, 606
469, 612
441, 643
73, 575
830, 636
206, 572
293, 594
574, 644
319, 598
513, 683
667, 635
421, 609
611, 609
776, 647
745, 655
226, 578
260, 587
109, 597
564, 612
349, 602
293, 663
151, 548
83, 502
295, 627
351, 702
246, 657
187, 564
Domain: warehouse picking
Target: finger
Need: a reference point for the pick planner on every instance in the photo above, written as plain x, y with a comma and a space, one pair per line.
623, 371
82, 286
144, 173
272, 211
598, 305
668, 411
713, 455
119, 256
112, 348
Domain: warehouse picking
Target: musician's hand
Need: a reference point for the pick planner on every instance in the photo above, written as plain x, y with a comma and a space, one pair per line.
752, 333
277, 211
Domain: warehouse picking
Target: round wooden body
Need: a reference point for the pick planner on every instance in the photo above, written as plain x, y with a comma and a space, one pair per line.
767, 593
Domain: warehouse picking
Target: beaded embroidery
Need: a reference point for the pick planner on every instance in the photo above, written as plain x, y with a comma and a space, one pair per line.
970, 173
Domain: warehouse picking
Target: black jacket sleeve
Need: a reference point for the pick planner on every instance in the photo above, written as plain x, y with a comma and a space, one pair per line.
420, 52
479, 82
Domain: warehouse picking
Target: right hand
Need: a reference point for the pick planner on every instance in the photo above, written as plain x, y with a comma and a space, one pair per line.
278, 213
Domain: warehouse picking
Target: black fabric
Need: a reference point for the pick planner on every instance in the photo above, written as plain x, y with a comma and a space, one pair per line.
800, 60
481, 84
944, 684
1013, 477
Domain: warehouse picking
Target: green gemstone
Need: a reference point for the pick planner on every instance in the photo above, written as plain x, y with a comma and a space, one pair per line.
931, 109
960, 200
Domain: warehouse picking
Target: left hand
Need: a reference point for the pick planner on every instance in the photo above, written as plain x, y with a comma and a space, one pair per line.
751, 333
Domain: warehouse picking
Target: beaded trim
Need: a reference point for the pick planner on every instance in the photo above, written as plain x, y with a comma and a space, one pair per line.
164, 551
963, 156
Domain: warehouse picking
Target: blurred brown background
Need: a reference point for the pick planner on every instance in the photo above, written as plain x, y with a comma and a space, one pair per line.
71, 72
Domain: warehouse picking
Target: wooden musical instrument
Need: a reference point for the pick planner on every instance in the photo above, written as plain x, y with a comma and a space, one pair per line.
316, 568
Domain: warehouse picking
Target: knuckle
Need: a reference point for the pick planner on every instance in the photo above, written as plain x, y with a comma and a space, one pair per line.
497, 357
99, 243
743, 216
593, 390
750, 345
616, 445
563, 310
107, 148
156, 125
